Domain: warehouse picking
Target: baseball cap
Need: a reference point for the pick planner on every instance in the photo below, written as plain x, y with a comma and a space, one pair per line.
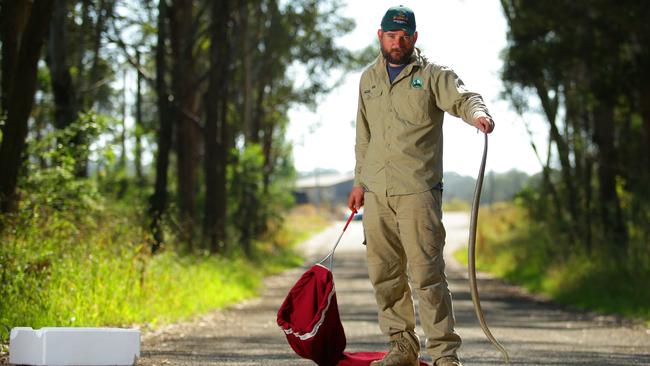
399, 17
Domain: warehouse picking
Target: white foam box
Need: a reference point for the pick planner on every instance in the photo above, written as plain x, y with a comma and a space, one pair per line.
74, 346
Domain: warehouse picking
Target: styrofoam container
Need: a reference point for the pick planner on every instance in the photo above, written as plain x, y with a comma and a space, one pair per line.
74, 346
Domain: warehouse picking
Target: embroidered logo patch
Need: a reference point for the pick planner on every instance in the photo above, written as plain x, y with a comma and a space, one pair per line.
417, 83
400, 18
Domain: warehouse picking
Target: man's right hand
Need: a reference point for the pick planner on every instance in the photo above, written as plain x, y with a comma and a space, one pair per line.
355, 200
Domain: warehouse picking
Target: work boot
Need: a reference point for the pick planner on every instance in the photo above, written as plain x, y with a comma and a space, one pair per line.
448, 361
404, 351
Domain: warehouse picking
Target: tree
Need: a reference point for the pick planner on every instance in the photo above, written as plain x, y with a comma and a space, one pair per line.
584, 64
272, 38
185, 110
69, 47
23, 35
216, 131
158, 200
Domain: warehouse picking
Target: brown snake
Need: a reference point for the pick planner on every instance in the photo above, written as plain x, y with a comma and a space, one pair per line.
471, 258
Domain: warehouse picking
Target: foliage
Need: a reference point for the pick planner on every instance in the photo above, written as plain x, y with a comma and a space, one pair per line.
585, 63
281, 54
59, 268
526, 251
73, 256
246, 184
49, 181
265, 217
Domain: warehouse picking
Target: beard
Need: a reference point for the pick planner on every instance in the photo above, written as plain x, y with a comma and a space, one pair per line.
397, 56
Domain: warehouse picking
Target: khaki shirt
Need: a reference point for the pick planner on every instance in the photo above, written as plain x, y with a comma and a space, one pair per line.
399, 126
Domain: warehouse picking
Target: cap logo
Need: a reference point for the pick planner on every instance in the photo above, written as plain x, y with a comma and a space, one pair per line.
400, 18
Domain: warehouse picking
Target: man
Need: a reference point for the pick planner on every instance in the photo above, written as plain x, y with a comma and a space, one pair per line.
398, 176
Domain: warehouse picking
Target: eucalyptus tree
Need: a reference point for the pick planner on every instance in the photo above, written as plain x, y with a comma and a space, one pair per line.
586, 64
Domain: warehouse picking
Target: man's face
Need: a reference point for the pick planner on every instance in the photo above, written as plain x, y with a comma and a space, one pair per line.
397, 46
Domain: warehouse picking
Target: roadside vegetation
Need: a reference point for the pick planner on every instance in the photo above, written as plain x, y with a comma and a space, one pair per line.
96, 269
579, 233
523, 250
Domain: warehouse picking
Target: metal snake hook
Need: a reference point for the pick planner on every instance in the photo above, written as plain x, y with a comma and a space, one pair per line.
471, 258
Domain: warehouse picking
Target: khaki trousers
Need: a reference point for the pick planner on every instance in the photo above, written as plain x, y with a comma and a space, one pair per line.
405, 239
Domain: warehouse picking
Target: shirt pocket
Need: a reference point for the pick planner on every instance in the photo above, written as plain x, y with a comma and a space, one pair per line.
416, 106
372, 100
372, 95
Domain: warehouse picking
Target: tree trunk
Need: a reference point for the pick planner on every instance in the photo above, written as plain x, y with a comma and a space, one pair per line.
224, 145
122, 164
40, 124
214, 228
550, 107
185, 98
20, 100
247, 73
587, 207
158, 200
547, 185
65, 111
610, 207
267, 150
577, 122
64, 91
88, 84
138, 125
104, 10
645, 116
14, 16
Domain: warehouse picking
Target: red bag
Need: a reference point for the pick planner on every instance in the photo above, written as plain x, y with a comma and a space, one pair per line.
310, 319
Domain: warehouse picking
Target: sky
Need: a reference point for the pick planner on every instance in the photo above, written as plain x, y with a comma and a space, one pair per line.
468, 36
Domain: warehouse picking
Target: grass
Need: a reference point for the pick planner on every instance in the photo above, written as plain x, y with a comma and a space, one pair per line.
97, 271
512, 246
304, 221
456, 205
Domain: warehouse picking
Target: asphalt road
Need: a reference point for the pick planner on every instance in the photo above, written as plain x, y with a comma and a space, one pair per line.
534, 331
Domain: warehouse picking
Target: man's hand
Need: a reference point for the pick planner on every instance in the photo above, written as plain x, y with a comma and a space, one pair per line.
355, 200
485, 124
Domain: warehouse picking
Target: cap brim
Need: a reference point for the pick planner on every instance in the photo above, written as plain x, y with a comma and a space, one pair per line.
407, 30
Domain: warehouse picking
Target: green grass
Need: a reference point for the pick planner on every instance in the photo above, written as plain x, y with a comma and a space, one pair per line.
515, 248
97, 271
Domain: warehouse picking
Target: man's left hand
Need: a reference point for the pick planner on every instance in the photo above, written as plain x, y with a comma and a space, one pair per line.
485, 124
